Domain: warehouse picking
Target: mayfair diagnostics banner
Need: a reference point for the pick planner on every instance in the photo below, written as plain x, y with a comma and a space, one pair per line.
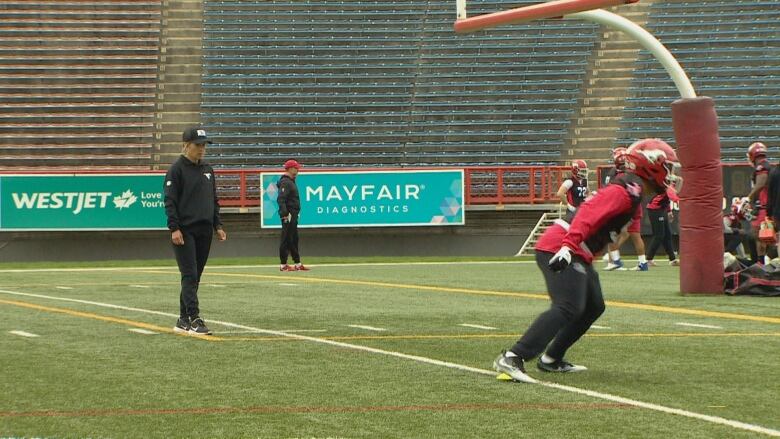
82, 202
370, 198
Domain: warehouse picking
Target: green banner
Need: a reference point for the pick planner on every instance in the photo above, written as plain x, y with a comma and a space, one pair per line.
371, 198
82, 202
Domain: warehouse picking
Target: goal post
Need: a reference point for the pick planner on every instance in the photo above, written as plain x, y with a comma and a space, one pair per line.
695, 126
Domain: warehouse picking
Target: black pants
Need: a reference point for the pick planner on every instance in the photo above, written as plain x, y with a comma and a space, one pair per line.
734, 239
289, 242
662, 234
192, 257
576, 303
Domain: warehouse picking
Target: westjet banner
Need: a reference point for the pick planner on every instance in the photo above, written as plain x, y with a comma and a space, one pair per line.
82, 202
371, 198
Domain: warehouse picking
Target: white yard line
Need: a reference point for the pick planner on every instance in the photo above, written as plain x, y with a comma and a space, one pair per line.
23, 334
288, 285
214, 285
367, 328
470, 325
697, 325
599, 327
281, 330
598, 395
63, 288
139, 286
142, 331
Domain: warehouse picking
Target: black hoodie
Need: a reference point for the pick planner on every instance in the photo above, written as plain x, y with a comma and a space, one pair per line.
191, 195
288, 199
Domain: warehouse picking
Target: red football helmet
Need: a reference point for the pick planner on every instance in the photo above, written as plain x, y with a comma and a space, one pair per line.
652, 160
756, 150
619, 157
579, 169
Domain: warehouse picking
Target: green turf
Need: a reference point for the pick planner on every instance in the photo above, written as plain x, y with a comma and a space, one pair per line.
101, 380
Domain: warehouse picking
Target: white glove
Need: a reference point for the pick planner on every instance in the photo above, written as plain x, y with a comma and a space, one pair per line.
287, 218
561, 260
570, 208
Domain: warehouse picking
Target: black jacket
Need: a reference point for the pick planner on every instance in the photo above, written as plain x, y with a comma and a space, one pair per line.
191, 195
288, 199
773, 202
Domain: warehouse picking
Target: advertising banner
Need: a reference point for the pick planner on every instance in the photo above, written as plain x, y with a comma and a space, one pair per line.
371, 198
82, 202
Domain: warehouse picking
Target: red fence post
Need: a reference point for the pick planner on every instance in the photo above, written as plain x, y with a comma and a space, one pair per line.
500, 188
242, 189
467, 184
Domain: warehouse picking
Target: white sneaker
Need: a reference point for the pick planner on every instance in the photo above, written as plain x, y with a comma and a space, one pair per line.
512, 366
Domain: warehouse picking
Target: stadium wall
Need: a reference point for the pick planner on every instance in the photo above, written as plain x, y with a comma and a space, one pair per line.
487, 233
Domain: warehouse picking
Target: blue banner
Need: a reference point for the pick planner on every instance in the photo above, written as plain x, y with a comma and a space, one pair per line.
370, 198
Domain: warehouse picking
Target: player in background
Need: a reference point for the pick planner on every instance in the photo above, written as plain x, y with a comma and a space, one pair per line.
759, 196
773, 196
659, 211
565, 253
574, 189
634, 229
733, 230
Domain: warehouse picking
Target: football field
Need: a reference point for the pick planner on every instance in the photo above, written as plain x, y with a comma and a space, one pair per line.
386, 348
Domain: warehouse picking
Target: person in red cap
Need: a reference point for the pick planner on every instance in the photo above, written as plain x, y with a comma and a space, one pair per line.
289, 208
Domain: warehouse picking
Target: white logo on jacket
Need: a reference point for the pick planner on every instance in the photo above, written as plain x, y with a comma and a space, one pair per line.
208, 175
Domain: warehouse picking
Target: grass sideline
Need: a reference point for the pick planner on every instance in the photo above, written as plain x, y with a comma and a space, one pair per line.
88, 375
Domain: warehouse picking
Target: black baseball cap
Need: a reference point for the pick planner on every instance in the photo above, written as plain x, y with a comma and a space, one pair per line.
195, 135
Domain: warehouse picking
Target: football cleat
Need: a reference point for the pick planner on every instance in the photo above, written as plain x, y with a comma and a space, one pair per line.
512, 366
560, 366
615, 265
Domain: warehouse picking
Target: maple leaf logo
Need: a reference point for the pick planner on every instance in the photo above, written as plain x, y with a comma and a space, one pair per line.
125, 200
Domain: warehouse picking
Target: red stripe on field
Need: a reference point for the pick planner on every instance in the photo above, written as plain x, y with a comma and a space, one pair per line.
281, 409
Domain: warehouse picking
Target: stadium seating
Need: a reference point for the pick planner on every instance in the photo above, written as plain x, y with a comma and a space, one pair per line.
344, 83
731, 51
77, 83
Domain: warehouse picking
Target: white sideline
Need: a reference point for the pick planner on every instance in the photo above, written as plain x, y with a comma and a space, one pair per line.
605, 396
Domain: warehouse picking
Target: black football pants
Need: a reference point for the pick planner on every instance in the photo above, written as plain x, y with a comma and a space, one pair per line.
662, 234
576, 303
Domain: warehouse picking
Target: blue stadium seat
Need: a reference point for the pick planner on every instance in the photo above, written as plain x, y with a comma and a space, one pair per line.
386, 83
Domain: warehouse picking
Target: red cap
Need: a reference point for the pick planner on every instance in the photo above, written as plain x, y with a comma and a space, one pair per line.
292, 164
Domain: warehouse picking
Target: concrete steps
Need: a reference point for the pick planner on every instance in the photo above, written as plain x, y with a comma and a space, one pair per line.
595, 124
179, 77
